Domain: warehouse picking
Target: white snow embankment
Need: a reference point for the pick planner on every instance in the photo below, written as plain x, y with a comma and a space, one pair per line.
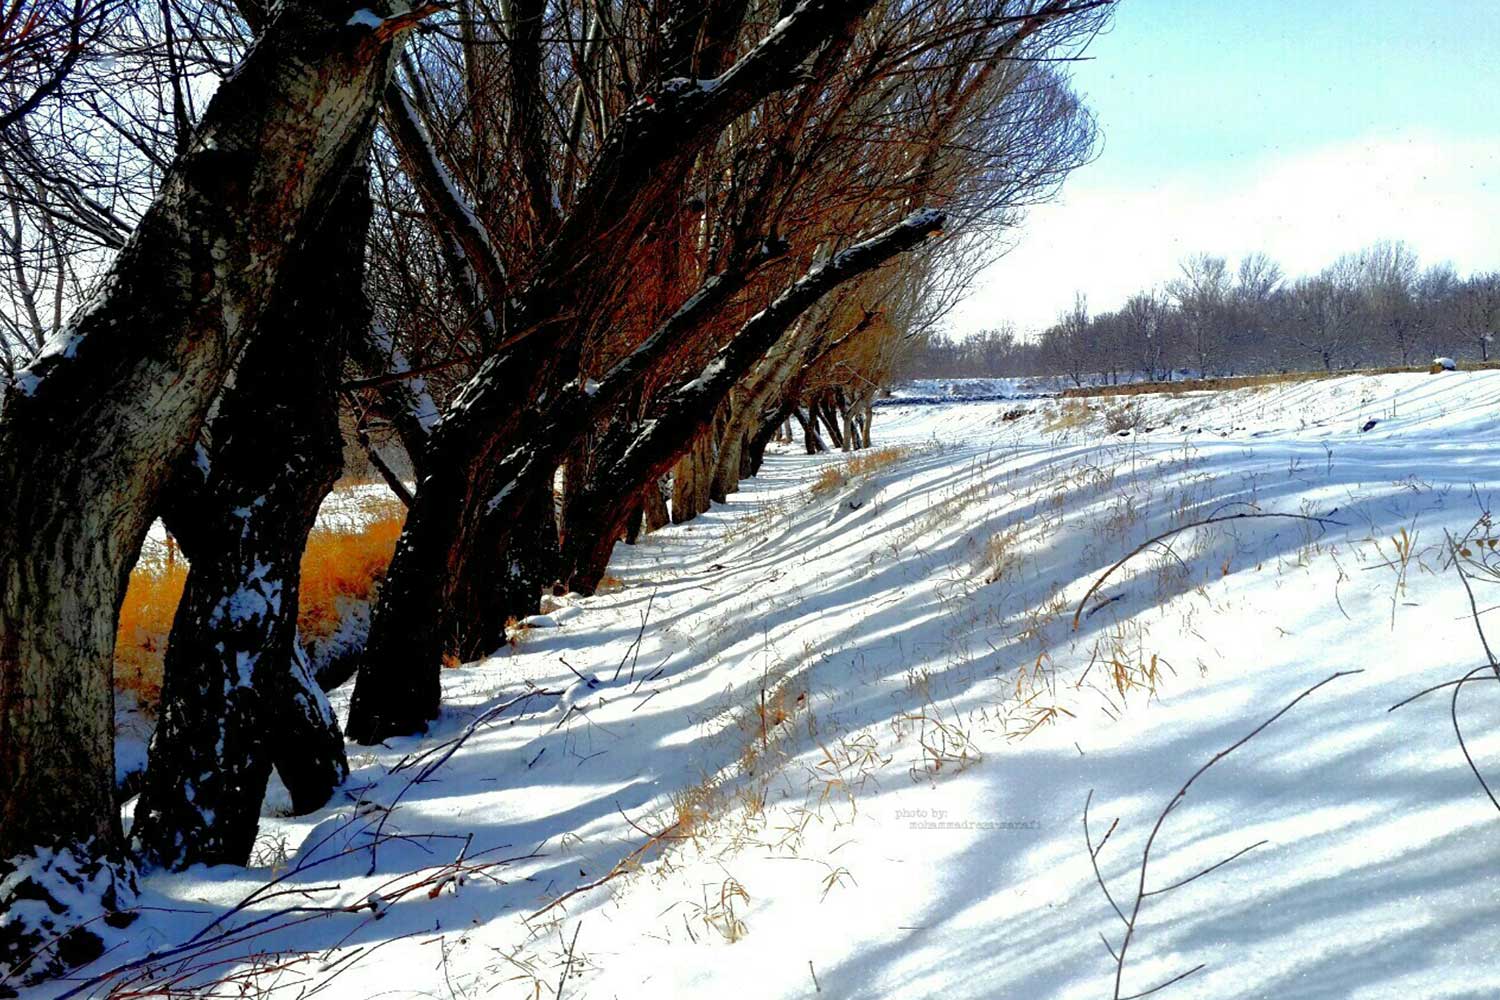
864, 732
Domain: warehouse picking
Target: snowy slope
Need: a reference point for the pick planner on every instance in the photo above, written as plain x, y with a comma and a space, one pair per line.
840, 741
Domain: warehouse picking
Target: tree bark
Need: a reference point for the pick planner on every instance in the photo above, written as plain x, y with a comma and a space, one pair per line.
726, 469
683, 490
505, 577
90, 432
237, 694
655, 507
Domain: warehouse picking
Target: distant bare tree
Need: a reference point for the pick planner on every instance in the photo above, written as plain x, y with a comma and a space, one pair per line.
1388, 280
1477, 311
1143, 322
1201, 293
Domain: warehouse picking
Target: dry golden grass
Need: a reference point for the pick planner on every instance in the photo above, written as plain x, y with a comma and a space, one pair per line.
145, 619
862, 463
346, 563
1069, 415
1000, 556
1074, 414
693, 809
723, 914
341, 564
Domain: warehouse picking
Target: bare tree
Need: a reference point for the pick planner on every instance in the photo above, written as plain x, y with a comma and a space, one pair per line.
1477, 311
1388, 279
92, 429
1202, 295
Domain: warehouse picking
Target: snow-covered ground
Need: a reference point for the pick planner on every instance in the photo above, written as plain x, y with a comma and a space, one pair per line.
840, 741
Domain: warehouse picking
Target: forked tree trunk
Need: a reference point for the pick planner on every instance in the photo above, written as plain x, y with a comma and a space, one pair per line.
237, 693
852, 440
825, 413
91, 431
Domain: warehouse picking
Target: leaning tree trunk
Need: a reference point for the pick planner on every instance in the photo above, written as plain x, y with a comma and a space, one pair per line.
237, 695
91, 431
458, 503
769, 380
689, 409
636, 177
726, 466
709, 492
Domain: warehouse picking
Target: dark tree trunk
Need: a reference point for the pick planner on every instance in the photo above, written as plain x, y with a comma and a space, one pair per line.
811, 442
770, 428
237, 695
824, 411
90, 433
398, 686
308, 753
633, 522
504, 577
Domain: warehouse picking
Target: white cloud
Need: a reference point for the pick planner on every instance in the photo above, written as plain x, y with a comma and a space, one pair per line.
1440, 195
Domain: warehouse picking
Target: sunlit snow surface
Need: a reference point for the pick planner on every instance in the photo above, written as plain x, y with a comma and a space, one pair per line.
887, 619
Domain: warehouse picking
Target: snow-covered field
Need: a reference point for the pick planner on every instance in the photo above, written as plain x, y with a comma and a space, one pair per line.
840, 740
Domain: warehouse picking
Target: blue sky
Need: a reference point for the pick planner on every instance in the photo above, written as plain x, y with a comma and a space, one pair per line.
1304, 129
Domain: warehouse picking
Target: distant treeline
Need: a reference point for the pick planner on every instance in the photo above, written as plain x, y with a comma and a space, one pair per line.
1375, 307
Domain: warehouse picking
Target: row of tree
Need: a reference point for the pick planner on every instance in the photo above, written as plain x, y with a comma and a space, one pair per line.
568, 261
1376, 307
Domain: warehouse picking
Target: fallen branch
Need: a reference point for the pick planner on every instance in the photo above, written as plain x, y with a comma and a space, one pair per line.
620, 868
1078, 614
1142, 893
1489, 667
